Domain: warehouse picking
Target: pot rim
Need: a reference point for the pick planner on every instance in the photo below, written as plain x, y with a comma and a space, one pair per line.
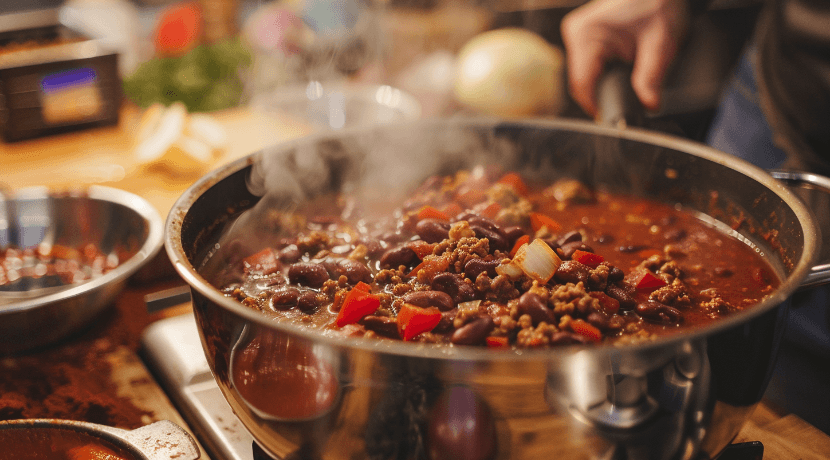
788, 285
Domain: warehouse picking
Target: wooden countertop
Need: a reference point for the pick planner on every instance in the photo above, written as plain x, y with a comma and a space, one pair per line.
106, 355
105, 155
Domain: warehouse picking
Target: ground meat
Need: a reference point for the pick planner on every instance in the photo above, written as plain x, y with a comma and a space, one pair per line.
671, 268
313, 242
569, 299
540, 336
465, 249
598, 279
569, 190
674, 294
716, 306
517, 214
389, 276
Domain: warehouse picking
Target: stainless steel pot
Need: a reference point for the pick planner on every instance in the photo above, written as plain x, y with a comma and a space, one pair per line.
163, 440
318, 396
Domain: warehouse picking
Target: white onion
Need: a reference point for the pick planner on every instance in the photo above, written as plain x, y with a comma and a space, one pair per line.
510, 270
538, 260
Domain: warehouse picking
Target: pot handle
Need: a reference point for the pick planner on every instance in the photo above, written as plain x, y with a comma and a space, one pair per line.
820, 274
617, 104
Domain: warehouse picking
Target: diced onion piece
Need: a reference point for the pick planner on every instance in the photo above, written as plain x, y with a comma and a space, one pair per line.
538, 260
510, 270
469, 307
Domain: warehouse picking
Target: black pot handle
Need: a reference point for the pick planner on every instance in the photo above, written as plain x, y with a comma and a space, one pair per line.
617, 104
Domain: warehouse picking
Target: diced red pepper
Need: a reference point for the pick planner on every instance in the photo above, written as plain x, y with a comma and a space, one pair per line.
648, 281
523, 240
491, 211
609, 304
539, 220
361, 286
413, 320
263, 262
452, 209
586, 330
515, 181
587, 258
470, 197
421, 248
432, 265
428, 212
357, 304
497, 342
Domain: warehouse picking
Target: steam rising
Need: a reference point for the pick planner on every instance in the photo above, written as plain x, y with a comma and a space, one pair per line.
378, 167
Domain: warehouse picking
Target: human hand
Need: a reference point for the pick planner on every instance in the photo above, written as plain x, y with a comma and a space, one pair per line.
645, 32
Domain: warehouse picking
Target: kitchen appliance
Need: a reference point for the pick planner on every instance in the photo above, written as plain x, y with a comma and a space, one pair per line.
52, 79
684, 396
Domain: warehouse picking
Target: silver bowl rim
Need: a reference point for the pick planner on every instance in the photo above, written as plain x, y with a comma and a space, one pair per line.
788, 285
150, 247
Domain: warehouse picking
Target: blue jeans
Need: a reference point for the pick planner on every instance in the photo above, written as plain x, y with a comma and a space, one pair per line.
801, 376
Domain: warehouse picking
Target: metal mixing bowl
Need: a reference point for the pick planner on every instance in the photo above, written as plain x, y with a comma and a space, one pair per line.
113, 220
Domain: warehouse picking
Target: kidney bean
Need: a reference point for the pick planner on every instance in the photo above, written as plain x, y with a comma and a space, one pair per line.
285, 298
474, 332
393, 237
307, 302
657, 312
572, 271
605, 238
308, 274
381, 325
398, 256
534, 305
373, 248
598, 319
615, 274
355, 271
475, 267
484, 222
550, 241
567, 338
426, 299
570, 237
446, 323
453, 285
622, 296
512, 234
569, 248
497, 241
289, 254
432, 230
